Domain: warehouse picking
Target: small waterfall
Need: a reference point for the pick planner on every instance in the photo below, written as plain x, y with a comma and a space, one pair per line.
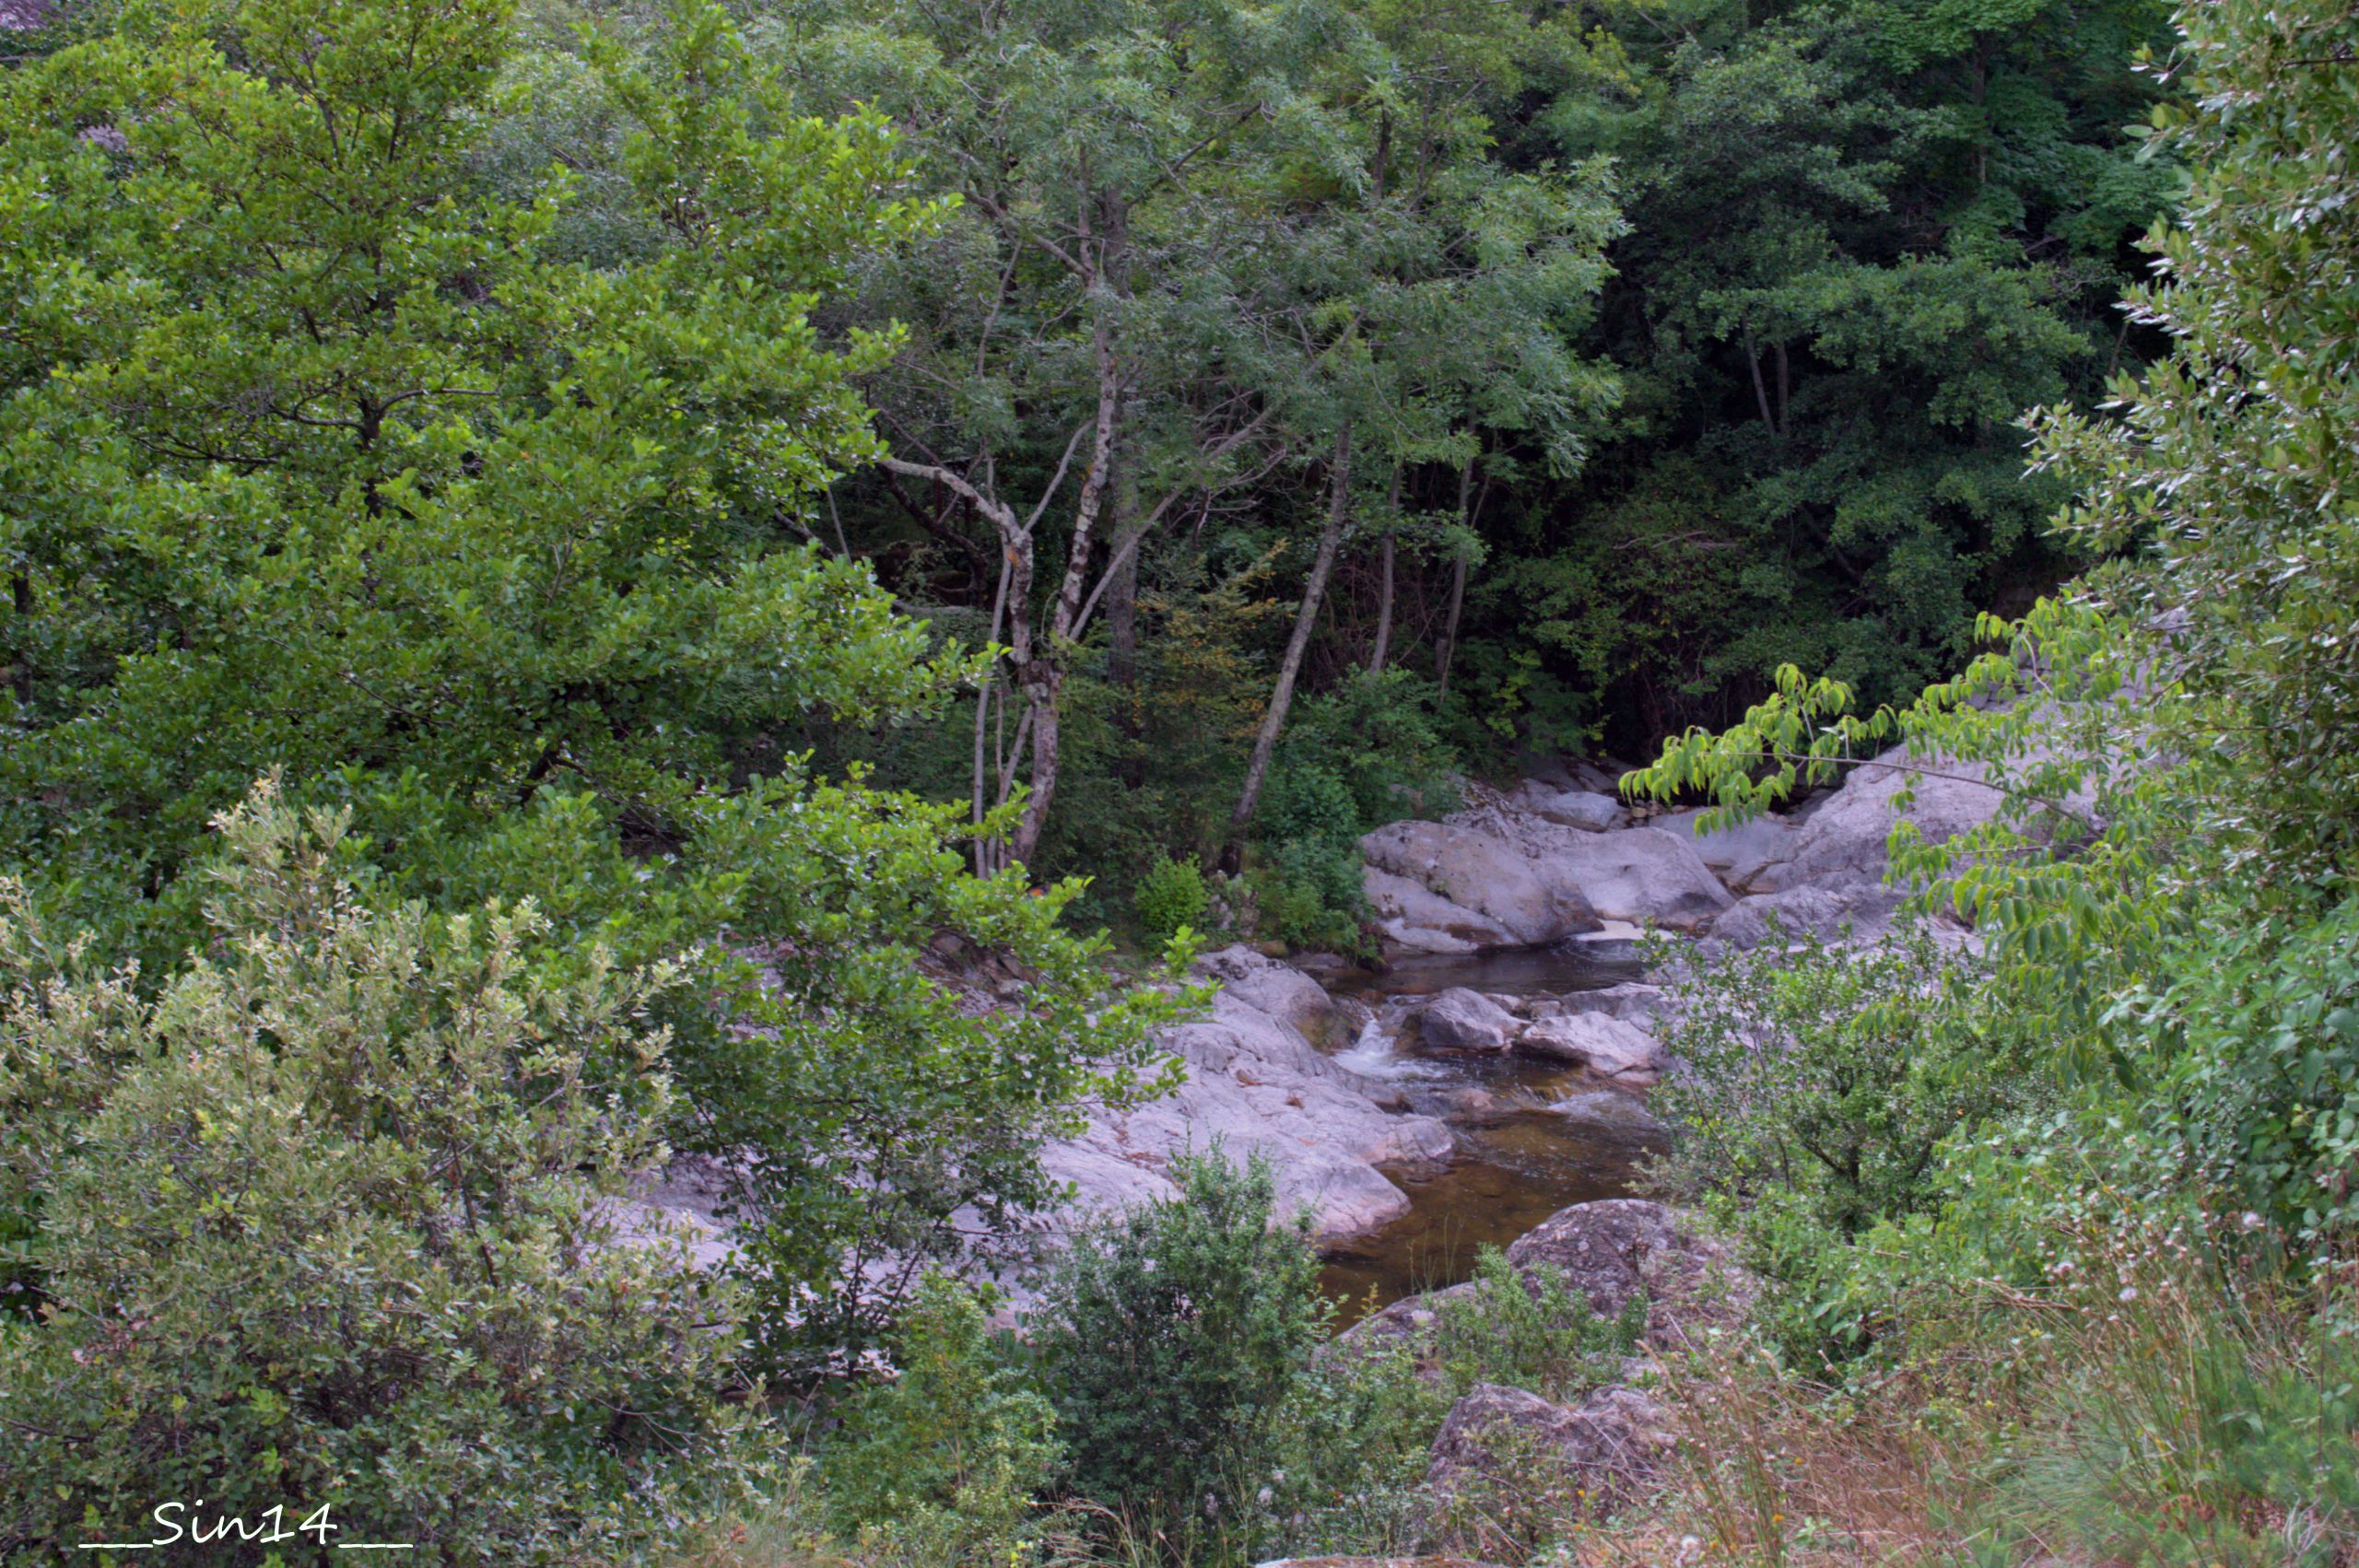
1377, 1053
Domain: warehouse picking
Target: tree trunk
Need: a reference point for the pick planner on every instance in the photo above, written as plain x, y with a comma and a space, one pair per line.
1760, 390
1384, 579
1314, 590
1044, 672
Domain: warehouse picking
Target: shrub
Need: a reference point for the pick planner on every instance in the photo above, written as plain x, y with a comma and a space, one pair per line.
1171, 1338
339, 1228
1171, 896
950, 1454
1531, 1331
1348, 1461
1817, 1089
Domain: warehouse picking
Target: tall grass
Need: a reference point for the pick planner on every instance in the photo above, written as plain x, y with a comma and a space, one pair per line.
2158, 1405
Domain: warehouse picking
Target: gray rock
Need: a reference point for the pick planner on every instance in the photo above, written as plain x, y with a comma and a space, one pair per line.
1598, 1041
1254, 1084
1822, 909
1410, 918
1739, 855
1584, 809
1487, 889
1609, 1113
1600, 1451
1467, 1021
1612, 1248
1633, 1001
1844, 837
1279, 989
1405, 1325
1638, 874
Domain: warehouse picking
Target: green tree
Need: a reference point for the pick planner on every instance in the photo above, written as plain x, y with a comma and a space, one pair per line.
314, 459
337, 1222
1170, 1339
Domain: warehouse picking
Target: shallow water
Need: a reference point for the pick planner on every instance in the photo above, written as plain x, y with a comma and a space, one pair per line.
1518, 1161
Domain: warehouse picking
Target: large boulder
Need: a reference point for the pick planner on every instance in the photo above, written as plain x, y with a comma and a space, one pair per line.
1254, 1083
1741, 855
1598, 1041
1859, 907
1617, 1245
1499, 1440
1283, 991
1633, 1001
1459, 1019
1445, 887
1639, 874
1583, 808
1844, 837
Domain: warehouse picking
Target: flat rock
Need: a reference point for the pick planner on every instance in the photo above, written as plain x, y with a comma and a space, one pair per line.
1610, 1248
1633, 1001
1858, 908
1255, 1084
1464, 1020
1477, 891
1584, 809
1598, 1041
1609, 1113
1637, 873
1739, 856
1845, 835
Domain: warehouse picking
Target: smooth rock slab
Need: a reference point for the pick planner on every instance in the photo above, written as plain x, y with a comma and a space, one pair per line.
1858, 907
1254, 1084
1598, 1041
1739, 855
1464, 1020
1609, 1113
1633, 1001
1637, 873
1489, 892
1584, 809
1846, 837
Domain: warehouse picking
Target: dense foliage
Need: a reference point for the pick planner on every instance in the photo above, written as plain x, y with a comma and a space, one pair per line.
708, 527
1172, 1337
322, 455
331, 1221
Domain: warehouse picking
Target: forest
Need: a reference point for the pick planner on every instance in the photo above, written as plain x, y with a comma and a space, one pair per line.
800, 595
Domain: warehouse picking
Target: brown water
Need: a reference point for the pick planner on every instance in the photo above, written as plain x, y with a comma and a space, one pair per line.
1518, 1161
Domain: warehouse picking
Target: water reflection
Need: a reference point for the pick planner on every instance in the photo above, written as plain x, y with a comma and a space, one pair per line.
1533, 1136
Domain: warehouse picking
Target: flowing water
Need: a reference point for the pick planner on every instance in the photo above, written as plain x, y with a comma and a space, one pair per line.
1533, 1135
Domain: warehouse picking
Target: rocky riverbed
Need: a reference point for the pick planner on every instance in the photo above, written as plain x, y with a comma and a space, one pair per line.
1495, 1070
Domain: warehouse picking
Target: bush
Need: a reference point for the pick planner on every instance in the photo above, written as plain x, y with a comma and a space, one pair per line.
1171, 895
1817, 1090
950, 1454
1171, 1338
1531, 1331
334, 1224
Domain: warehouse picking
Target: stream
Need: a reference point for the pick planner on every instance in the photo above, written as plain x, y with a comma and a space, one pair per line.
1520, 1157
